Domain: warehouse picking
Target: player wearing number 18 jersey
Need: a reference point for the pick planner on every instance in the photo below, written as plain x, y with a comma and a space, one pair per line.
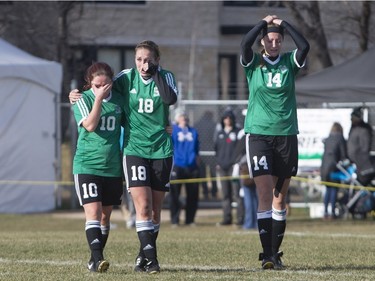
271, 126
149, 90
147, 114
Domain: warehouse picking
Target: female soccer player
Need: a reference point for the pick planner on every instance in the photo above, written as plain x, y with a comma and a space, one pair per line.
149, 90
97, 161
271, 126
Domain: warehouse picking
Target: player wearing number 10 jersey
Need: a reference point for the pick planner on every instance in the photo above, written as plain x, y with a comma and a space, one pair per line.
104, 141
97, 161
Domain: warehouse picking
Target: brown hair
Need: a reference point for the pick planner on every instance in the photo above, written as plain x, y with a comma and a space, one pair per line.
150, 45
96, 69
337, 128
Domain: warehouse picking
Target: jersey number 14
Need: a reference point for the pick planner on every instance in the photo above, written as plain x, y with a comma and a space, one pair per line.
274, 81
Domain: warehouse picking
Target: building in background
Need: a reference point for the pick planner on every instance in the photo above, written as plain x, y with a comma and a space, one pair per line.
199, 40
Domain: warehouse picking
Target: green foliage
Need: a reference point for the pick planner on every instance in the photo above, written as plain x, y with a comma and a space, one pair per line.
51, 247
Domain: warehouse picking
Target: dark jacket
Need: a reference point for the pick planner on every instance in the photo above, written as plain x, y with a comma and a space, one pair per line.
359, 146
226, 142
334, 151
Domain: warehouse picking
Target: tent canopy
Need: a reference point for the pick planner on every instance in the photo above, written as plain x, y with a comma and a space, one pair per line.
348, 82
14, 62
30, 89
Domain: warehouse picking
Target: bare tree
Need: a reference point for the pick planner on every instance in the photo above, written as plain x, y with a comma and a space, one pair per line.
64, 52
364, 25
307, 16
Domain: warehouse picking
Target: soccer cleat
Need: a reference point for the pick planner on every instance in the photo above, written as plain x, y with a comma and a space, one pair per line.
91, 265
152, 267
267, 262
140, 263
101, 266
277, 258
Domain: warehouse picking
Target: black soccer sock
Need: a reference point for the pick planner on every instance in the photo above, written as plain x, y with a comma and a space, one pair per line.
94, 238
265, 231
156, 233
278, 228
105, 233
145, 231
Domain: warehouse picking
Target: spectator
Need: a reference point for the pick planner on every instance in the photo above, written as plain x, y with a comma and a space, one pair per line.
186, 166
225, 145
359, 146
334, 151
248, 192
206, 130
250, 197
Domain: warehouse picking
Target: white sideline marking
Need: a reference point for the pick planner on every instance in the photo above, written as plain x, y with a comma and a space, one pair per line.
344, 235
304, 234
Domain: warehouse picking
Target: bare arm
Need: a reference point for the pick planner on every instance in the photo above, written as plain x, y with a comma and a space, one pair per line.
74, 96
92, 120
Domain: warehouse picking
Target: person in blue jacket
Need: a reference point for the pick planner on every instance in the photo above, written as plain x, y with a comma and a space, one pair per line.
186, 166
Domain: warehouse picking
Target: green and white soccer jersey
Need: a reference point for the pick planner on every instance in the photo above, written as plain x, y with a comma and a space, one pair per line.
272, 102
147, 115
99, 153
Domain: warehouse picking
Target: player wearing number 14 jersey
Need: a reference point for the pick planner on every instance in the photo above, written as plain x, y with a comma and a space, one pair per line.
271, 126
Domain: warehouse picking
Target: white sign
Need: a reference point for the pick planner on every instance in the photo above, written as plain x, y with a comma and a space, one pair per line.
314, 126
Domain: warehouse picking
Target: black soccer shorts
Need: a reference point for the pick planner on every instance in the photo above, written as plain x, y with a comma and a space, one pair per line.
92, 188
272, 155
154, 173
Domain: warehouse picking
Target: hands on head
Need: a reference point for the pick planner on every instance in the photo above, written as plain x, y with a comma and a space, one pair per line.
272, 19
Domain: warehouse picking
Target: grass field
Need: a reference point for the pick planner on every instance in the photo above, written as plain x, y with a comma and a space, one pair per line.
53, 247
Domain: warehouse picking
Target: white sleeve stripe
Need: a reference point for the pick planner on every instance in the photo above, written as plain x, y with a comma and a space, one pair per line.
122, 72
170, 82
83, 108
295, 59
242, 63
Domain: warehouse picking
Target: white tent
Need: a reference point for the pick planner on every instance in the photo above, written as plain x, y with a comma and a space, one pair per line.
30, 89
